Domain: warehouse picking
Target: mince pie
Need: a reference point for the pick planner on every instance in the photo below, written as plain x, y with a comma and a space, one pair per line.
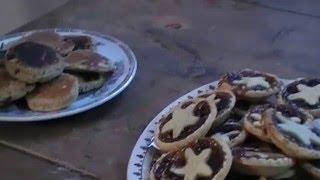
260, 160
303, 93
292, 134
254, 124
231, 131
203, 159
251, 85
185, 123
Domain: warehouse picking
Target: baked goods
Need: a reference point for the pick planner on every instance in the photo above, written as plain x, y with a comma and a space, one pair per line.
87, 61
251, 85
267, 138
187, 122
260, 160
32, 62
36, 63
89, 81
293, 135
56, 94
231, 131
303, 93
52, 40
11, 89
204, 158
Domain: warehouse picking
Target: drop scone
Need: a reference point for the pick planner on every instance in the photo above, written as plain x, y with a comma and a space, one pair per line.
292, 136
51, 39
312, 168
303, 93
54, 95
80, 42
89, 81
254, 123
225, 101
88, 61
231, 131
250, 85
203, 159
12, 89
185, 123
32, 62
260, 160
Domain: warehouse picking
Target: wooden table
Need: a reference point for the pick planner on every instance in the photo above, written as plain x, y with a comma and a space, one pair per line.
180, 45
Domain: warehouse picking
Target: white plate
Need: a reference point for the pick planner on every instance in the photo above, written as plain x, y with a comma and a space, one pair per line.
144, 152
118, 52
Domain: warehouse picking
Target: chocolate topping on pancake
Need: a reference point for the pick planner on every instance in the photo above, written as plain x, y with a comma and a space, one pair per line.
33, 54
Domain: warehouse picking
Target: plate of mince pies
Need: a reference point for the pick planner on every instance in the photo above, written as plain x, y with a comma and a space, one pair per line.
247, 125
52, 73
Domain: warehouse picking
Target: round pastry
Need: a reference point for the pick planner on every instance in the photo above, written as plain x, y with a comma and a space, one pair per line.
203, 159
225, 101
88, 61
231, 131
254, 124
32, 62
251, 85
54, 95
185, 123
52, 40
260, 160
11, 89
293, 133
303, 93
80, 42
89, 81
312, 168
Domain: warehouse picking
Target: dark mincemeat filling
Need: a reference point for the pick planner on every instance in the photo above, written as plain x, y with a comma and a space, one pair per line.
177, 159
291, 111
294, 139
80, 42
231, 77
223, 104
292, 89
33, 54
316, 163
202, 110
260, 109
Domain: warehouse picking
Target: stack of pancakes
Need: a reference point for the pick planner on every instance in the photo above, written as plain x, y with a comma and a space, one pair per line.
51, 70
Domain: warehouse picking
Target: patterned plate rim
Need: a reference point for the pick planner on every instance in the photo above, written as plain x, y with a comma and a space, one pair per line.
128, 79
136, 161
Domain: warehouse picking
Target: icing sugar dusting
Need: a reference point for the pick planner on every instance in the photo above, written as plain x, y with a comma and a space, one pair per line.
299, 131
309, 94
252, 82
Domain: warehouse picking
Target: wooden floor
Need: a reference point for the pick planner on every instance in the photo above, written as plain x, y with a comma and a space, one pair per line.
180, 45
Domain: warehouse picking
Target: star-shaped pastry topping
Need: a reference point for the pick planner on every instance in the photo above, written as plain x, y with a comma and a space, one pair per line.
196, 165
252, 82
181, 118
299, 131
309, 94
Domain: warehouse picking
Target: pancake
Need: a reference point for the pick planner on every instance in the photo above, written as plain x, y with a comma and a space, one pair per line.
88, 61
80, 42
51, 39
89, 81
11, 89
54, 95
33, 62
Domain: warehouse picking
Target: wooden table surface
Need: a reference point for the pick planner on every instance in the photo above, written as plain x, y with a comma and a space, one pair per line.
180, 45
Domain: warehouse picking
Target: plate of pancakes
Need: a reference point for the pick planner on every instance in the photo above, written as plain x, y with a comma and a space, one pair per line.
246, 125
52, 73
